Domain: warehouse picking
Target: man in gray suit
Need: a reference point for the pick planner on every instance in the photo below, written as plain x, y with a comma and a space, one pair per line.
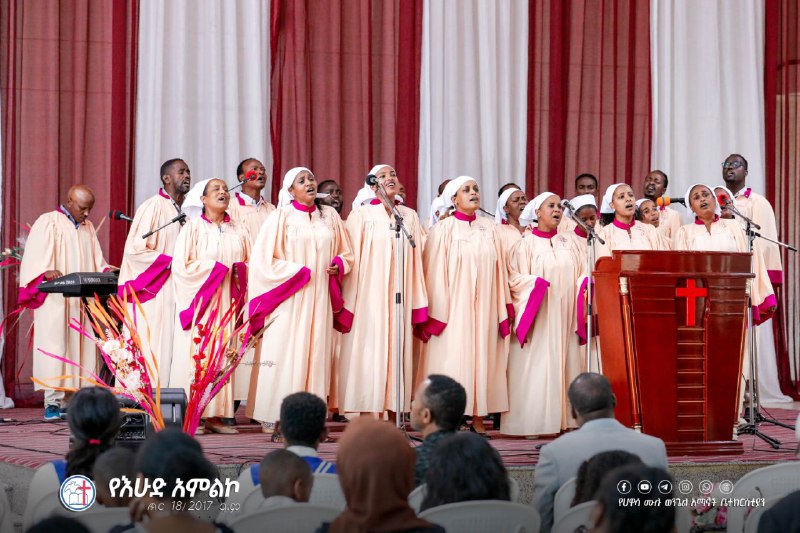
598, 431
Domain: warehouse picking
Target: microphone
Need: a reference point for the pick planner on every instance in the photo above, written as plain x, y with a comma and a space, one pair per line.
723, 200
372, 180
664, 201
119, 215
180, 217
566, 205
250, 176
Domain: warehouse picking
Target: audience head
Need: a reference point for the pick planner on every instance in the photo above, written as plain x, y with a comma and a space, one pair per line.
283, 473
334, 192
647, 212
509, 185
592, 471
655, 184
113, 463
80, 201
60, 524
176, 177
734, 172
171, 454
611, 517
586, 184
591, 397
438, 405
465, 467
303, 419
94, 421
375, 465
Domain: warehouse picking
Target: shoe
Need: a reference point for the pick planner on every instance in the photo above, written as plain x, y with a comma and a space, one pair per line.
215, 426
228, 421
63, 412
339, 418
52, 413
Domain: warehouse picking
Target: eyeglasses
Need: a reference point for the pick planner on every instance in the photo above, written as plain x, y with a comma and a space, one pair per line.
732, 164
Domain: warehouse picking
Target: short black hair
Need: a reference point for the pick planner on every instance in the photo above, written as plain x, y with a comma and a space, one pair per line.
664, 175
587, 175
62, 524
507, 186
465, 467
240, 166
116, 462
279, 470
592, 471
738, 155
591, 393
166, 166
303, 418
656, 517
322, 183
447, 400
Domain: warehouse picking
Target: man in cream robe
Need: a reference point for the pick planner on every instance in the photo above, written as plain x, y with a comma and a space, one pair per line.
289, 282
60, 242
669, 220
367, 362
145, 269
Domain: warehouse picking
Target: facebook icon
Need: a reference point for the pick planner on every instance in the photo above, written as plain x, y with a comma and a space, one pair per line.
624, 487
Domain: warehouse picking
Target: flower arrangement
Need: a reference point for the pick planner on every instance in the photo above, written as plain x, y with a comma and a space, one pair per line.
11, 256
708, 514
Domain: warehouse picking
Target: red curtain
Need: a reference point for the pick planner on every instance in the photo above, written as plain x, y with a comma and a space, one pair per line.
782, 116
345, 89
588, 93
67, 78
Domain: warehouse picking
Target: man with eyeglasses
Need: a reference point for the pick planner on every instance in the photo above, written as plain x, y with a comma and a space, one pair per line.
758, 208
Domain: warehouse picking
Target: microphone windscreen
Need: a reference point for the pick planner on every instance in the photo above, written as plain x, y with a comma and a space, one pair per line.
723, 199
662, 201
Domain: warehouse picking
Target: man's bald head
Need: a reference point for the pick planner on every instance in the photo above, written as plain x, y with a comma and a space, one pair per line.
591, 397
80, 201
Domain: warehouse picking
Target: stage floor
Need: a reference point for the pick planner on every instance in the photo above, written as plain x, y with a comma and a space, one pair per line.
29, 442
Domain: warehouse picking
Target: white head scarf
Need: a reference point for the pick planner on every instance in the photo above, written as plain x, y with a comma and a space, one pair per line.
452, 188
284, 196
727, 191
374, 170
640, 201
717, 210
582, 201
192, 203
436, 206
605, 206
500, 213
364, 193
528, 215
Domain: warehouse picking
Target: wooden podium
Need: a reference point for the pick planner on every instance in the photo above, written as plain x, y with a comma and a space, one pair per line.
672, 333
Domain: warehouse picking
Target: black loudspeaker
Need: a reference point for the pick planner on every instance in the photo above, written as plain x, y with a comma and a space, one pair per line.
136, 427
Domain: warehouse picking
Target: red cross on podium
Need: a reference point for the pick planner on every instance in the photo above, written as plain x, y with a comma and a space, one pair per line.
691, 292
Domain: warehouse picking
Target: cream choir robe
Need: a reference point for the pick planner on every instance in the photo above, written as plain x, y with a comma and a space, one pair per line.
567, 224
758, 208
289, 284
669, 222
367, 362
544, 270
206, 257
145, 270
245, 210
54, 243
509, 235
468, 310
580, 249
620, 236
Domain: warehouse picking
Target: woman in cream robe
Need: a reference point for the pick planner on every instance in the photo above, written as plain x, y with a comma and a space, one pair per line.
621, 231
543, 271
507, 215
367, 362
468, 318
299, 259
210, 256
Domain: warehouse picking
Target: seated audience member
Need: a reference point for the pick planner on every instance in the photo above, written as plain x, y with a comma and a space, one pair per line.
170, 455
611, 517
285, 478
591, 472
785, 514
111, 464
436, 412
598, 431
94, 421
58, 524
376, 471
464, 468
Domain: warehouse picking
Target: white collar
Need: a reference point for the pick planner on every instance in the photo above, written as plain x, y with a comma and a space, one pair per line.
248, 200
302, 451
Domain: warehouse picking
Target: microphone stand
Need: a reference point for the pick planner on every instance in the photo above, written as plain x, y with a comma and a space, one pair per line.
754, 416
240, 184
399, 272
591, 236
179, 218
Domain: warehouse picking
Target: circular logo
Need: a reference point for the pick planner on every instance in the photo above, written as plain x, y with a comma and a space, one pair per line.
725, 486
665, 487
706, 487
77, 493
624, 487
644, 487
685, 486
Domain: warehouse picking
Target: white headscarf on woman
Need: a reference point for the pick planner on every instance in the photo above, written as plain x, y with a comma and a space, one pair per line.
192, 202
728, 192
452, 188
500, 214
437, 205
717, 210
528, 215
605, 206
582, 201
364, 193
284, 196
374, 170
